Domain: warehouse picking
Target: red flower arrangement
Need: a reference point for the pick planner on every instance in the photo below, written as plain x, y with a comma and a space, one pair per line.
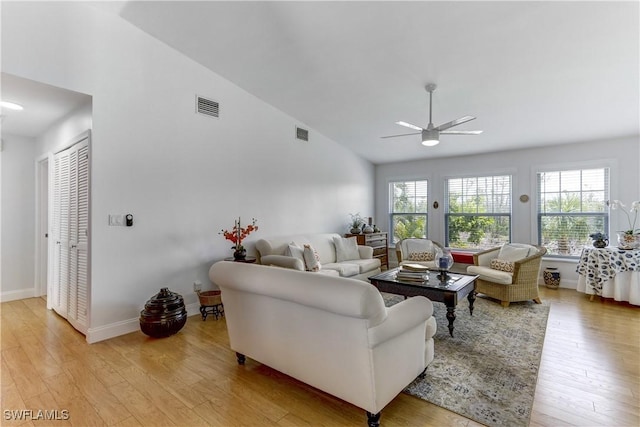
238, 233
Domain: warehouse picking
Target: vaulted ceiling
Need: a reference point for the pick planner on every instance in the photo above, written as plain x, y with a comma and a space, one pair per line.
533, 73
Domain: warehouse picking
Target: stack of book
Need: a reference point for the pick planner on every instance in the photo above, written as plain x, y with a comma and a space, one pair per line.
413, 273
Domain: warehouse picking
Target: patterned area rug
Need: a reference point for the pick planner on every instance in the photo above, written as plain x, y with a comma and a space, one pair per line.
488, 370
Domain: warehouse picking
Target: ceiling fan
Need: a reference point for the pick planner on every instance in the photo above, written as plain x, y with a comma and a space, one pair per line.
431, 134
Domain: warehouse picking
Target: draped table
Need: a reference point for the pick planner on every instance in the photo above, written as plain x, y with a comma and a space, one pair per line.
610, 272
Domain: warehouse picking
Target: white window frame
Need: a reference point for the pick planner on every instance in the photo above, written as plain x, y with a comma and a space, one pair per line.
392, 213
448, 215
605, 214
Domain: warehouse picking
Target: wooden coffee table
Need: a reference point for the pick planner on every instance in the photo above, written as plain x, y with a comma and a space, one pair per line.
449, 292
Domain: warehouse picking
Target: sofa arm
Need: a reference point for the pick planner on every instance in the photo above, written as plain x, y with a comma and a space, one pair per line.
401, 317
366, 252
283, 261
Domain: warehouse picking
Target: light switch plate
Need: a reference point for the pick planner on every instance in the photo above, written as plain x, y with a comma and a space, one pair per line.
116, 220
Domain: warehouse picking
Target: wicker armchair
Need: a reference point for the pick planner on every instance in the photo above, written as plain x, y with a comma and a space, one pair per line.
406, 246
521, 285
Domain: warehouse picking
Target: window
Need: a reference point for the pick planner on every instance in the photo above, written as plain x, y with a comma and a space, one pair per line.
478, 212
571, 205
408, 210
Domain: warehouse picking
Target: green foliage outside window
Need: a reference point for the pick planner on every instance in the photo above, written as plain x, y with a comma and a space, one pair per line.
409, 206
572, 205
478, 212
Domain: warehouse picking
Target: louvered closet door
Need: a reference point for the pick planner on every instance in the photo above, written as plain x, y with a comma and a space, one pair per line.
60, 233
70, 228
79, 235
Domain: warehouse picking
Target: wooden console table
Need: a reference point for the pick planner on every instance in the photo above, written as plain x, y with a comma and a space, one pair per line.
379, 243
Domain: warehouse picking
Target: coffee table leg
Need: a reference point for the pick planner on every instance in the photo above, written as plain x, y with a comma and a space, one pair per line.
472, 298
451, 316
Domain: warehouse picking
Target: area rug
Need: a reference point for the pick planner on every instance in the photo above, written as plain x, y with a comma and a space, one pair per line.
488, 370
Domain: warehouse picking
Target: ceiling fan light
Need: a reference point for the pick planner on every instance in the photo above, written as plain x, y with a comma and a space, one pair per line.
430, 142
11, 105
430, 138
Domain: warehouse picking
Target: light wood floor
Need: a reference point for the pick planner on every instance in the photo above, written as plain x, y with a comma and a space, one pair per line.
589, 375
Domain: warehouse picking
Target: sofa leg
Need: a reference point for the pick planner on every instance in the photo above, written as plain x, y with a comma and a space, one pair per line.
505, 303
373, 420
537, 300
241, 358
423, 374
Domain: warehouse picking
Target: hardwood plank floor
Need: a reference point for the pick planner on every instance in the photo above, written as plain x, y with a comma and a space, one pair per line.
589, 375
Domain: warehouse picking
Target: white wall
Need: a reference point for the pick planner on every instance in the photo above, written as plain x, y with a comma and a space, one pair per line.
61, 134
621, 155
183, 176
18, 217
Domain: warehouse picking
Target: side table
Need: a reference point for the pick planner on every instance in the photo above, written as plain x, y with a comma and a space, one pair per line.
210, 303
248, 260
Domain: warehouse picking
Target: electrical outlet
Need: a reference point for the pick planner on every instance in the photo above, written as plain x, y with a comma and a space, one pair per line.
197, 286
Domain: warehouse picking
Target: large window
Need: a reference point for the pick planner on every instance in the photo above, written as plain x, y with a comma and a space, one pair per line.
478, 211
571, 205
408, 210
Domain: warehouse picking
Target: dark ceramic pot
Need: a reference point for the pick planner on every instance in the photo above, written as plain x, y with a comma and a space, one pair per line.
600, 243
163, 315
551, 277
240, 255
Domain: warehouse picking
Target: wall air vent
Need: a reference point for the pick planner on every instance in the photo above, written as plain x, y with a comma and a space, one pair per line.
207, 107
302, 134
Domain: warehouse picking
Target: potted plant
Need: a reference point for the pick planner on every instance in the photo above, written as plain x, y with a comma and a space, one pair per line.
600, 240
237, 235
356, 223
630, 238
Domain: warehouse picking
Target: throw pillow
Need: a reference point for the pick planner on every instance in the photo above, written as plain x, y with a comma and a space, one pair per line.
311, 259
295, 251
346, 248
421, 256
502, 265
512, 253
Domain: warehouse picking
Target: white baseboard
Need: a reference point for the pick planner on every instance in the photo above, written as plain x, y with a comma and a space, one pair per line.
124, 327
16, 295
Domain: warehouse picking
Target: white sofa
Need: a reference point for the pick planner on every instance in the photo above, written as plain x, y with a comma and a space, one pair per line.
362, 265
332, 333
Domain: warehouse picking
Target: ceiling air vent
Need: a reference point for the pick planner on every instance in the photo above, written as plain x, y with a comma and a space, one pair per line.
302, 134
208, 107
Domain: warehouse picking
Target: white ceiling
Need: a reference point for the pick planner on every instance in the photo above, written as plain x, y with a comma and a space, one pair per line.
533, 73
43, 105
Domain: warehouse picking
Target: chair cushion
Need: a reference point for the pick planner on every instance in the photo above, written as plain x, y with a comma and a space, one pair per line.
421, 256
364, 265
346, 248
515, 252
491, 275
417, 245
343, 268
502, 265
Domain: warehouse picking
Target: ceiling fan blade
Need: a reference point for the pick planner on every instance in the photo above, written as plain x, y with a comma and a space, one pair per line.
404, 134
461, 132
409, 125
455, 122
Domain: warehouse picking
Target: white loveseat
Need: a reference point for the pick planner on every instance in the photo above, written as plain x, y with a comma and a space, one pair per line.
359, 265
332, 333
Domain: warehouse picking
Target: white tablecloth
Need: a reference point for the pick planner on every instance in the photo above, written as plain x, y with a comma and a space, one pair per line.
611, 273
623, 287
